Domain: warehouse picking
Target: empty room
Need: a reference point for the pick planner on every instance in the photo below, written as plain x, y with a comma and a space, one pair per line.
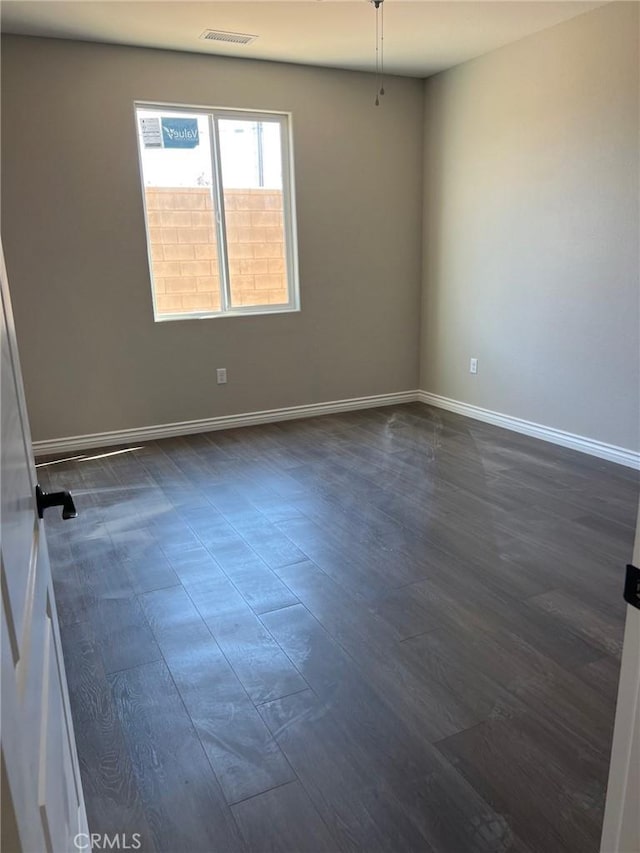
320, 426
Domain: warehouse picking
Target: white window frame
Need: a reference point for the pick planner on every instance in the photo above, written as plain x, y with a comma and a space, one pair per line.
289, 211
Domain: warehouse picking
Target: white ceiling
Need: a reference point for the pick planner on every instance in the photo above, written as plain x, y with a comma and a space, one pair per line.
421, 37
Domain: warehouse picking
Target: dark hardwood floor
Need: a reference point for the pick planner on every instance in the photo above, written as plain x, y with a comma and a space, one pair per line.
391, 630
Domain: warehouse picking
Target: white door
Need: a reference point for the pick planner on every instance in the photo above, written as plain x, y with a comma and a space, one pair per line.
621, 829
42, 805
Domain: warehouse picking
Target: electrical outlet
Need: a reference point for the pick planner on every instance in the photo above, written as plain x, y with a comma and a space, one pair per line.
473, 365
221, 375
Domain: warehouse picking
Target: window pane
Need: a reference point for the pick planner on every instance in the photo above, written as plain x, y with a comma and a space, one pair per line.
175, 152
251, 161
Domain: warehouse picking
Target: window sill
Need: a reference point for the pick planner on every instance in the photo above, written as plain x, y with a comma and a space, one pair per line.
262, 311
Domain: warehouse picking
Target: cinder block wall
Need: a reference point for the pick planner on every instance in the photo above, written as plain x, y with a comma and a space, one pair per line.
184, 251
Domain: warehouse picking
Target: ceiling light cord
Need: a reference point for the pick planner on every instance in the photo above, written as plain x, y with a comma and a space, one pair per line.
381, 48
377, 102
379, 7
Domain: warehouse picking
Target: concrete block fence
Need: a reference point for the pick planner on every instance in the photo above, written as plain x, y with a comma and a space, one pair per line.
184, 250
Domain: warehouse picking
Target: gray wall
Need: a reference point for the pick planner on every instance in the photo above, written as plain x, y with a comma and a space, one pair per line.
73, 232
531, 228
530, 236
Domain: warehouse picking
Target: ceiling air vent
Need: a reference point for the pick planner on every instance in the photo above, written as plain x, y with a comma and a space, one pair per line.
229, 38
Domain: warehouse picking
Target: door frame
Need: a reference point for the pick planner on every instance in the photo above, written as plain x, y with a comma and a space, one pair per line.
621, 826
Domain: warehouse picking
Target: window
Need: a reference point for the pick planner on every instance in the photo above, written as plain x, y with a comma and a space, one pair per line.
218, 197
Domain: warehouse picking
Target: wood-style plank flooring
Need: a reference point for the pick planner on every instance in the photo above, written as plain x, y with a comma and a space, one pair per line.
391, 630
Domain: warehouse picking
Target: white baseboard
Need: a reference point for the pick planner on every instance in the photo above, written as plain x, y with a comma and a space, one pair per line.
129, 436
611, 452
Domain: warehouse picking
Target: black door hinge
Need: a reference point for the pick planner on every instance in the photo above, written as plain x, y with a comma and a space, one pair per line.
632, 586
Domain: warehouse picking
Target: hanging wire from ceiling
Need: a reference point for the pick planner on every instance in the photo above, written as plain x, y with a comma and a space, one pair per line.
379, 7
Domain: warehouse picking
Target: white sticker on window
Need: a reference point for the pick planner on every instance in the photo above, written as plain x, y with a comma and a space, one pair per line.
151, 133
